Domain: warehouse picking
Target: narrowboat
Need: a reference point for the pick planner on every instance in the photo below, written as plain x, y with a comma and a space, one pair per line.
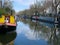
7, 23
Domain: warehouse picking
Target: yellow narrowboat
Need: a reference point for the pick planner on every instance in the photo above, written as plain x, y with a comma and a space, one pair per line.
7, 23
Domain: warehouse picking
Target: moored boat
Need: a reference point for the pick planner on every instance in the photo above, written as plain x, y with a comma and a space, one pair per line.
7, 23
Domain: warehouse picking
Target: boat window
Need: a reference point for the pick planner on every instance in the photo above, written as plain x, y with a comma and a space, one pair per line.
7, 18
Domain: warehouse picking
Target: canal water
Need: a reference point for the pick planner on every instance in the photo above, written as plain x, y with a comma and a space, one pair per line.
32, 33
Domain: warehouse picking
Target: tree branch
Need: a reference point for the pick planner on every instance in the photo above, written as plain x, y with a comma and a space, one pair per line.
57, 4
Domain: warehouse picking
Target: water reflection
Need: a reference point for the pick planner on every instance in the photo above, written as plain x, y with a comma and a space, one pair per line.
7, 38
55, 37
28, 36
36, 33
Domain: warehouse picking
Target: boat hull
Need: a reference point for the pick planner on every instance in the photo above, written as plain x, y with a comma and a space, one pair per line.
7, 23
7, 27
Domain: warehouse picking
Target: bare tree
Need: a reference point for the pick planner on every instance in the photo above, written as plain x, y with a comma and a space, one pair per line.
8, 6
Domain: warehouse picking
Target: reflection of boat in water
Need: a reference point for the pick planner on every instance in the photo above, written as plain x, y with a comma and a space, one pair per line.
7, 38
7, 22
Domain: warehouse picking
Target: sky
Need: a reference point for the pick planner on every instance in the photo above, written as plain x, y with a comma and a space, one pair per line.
20, 5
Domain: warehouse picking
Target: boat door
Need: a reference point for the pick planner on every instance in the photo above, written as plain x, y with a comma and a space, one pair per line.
7, 19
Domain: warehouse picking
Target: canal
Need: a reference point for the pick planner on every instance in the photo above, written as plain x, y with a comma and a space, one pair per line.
31, 32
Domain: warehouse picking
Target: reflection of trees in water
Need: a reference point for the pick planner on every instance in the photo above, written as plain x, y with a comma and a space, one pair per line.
43, 32
41, 35
25, 21
40, 31
52, 35
55, 38
7, 38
